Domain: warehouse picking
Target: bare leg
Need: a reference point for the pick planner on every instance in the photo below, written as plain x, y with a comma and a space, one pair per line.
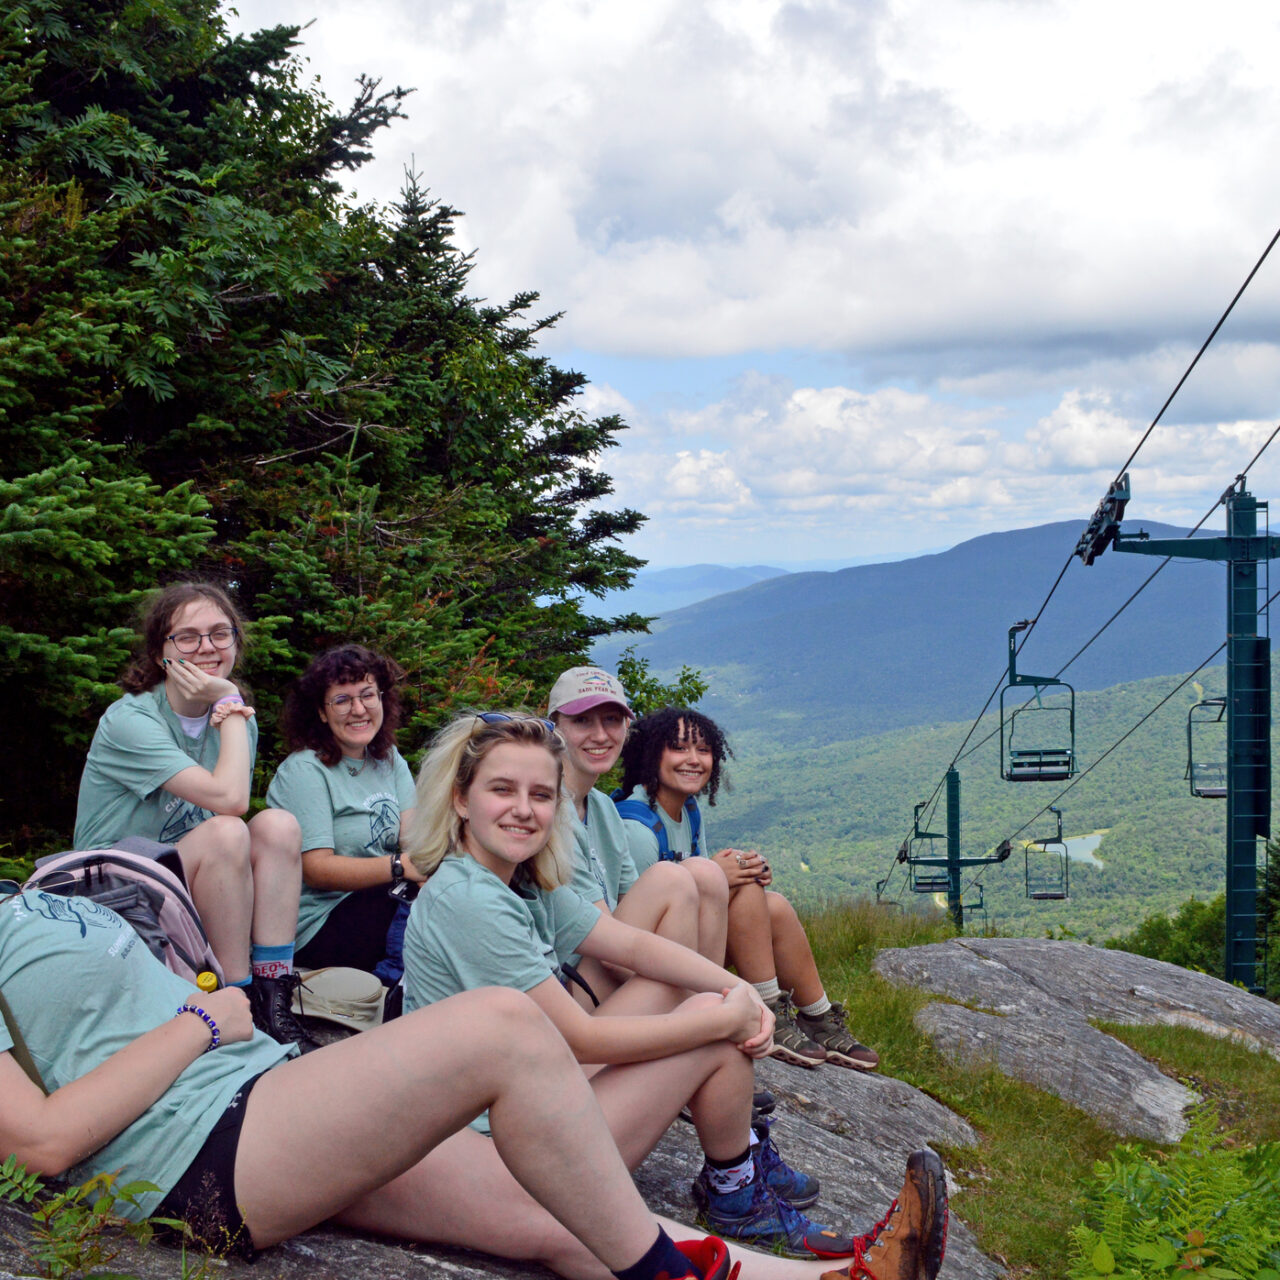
797, 969
275, 852
713, 907
750, 936
215, 860
436, 1069
663, 901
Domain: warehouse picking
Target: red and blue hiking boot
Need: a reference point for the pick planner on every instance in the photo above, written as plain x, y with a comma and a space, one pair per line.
756, 1216
910, 1241
794, 1186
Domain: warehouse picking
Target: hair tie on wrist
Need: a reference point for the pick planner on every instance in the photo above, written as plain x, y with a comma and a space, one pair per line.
206, 1019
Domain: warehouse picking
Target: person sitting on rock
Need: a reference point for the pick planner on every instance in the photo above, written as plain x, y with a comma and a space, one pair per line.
671, 758
172, 760
685, 901
351, 791
491, 833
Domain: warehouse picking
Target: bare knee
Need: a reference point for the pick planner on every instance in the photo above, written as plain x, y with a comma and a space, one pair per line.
708, 879
674, 883
275, 834
781, 913
222, 841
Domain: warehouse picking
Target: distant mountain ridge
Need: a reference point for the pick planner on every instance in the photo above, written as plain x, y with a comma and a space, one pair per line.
823, 656
657, 591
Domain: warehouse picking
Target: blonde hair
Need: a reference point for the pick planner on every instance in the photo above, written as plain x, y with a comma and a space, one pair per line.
435, 830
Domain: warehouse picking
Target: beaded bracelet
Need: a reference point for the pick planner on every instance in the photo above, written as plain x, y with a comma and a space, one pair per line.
232, 698
205, 1018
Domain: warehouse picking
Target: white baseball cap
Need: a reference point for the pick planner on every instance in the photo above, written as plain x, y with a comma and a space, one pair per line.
581, 688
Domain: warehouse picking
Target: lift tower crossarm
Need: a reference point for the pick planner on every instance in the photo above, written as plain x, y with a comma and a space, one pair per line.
1258, 547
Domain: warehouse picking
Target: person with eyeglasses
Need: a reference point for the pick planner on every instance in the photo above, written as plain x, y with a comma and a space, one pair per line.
172, 761
351, 791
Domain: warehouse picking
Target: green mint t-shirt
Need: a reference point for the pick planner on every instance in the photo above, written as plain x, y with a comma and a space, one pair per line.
467, 929
602, 867
138, 746
643, 843
352, 809
82, 986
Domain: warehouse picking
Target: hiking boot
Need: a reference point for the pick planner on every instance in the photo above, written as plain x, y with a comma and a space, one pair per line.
270, 1001
830, 1030
790, 1044
910, 1241
762, 1103
710, 1257
797, 1188
757, 1217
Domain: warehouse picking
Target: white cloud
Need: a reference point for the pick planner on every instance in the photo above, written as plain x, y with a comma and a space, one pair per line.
1015, 222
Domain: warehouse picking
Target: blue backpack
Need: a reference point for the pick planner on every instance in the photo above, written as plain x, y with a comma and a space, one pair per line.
638, 811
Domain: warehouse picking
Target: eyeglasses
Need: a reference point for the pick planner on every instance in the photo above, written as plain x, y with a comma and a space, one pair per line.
345, 702
219, 637
501, 717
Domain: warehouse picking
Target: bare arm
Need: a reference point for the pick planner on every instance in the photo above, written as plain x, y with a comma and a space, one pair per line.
226, 789
51, 1134
642, 1038
658, 958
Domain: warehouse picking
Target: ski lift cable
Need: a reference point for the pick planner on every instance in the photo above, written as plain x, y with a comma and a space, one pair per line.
1026, 635
1203, 348
977, 746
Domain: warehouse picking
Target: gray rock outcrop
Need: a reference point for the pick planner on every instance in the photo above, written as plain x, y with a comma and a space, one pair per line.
1025, 1006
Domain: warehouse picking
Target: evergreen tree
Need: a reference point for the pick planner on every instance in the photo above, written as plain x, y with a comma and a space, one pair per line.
210, 364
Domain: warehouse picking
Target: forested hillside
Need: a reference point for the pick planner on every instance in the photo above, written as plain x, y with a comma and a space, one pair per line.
212, 364
843, 809
885, 646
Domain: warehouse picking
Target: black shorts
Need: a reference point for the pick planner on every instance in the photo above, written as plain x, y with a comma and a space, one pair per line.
205, 1196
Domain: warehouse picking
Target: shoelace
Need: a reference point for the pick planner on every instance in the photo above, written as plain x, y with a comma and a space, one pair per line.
862, 1245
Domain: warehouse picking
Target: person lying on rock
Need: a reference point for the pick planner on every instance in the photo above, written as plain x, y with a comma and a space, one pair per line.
151, 1079
670, 758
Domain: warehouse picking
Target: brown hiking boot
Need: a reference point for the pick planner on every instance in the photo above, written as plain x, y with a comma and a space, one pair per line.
790, 1044
910, 1241
831, 1031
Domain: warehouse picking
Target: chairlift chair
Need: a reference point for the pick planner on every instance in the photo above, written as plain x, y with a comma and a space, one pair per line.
1048, 866
1044, 721
1208, 778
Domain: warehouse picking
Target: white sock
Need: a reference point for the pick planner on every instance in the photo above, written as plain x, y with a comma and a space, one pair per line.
734, 1178
769, 991
817, 1008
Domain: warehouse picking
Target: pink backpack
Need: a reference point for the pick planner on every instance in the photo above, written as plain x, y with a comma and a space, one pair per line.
142, 881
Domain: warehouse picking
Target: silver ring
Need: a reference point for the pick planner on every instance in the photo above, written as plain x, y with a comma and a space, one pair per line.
742, 862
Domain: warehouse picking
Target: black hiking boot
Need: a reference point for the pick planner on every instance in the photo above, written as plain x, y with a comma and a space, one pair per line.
269, 1002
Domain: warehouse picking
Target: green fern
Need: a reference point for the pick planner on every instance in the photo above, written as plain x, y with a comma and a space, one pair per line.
1209, 1207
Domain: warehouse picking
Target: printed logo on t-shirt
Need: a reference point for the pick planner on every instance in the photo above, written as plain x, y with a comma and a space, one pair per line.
84, 913
186, 817
384, 824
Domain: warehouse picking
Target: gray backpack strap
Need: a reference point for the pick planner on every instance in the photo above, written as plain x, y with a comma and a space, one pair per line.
21, 1054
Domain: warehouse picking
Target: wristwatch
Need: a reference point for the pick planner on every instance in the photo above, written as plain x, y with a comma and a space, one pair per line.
397, 868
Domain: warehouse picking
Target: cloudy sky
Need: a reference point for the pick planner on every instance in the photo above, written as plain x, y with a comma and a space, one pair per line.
863, 276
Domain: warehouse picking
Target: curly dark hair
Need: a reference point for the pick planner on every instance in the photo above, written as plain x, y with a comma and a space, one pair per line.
300, 721
144, 671
671, 727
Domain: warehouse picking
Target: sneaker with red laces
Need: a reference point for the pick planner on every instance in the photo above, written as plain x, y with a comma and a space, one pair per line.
910, 1241
711, 1257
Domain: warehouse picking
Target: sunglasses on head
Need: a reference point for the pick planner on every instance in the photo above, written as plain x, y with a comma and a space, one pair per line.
501, 717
